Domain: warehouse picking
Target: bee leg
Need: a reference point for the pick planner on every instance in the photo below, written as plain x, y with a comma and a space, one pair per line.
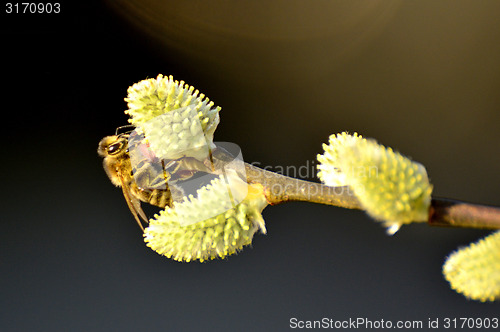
171, 167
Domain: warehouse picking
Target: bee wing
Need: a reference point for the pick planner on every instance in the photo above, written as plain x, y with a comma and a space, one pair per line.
135, 207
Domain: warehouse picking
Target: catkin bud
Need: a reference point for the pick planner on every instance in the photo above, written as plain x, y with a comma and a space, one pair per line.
391, 188
474, 271
174, 117
220, 235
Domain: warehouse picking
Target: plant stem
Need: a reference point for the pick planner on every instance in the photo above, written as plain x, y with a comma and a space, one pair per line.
443, 212
453, 213
279, 189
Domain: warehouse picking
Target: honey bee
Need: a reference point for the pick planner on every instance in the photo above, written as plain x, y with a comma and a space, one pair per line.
148, 178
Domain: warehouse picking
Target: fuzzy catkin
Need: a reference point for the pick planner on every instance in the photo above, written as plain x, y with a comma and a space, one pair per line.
391, 188
175, 118
215, 237
474, 271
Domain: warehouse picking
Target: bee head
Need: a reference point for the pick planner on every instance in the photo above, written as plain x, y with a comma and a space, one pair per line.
114, 146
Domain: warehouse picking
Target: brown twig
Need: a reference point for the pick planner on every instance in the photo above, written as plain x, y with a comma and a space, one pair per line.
443, 212
280, 189
448, 212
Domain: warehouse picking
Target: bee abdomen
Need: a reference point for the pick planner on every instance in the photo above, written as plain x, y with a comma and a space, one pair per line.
160, 198
156, 197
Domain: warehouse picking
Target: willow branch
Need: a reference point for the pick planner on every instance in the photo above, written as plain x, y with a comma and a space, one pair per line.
443, 212
454, 213
279, 189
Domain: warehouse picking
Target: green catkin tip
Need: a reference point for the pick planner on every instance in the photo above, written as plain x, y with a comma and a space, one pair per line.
474, 271
391, 188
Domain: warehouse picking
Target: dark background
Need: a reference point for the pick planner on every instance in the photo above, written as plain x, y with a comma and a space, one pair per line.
420, 76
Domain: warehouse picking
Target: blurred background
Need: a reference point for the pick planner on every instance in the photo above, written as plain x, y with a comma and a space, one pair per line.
419, 76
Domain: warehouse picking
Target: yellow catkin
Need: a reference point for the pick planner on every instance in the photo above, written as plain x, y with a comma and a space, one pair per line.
175, 119
215, 237
474, 271
392, 188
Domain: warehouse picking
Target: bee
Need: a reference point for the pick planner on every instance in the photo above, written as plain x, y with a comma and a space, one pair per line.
146, 178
